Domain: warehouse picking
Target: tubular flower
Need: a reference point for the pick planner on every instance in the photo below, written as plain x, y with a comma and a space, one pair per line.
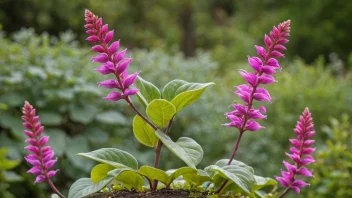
41, 156
112, 61
264, 67
300, 154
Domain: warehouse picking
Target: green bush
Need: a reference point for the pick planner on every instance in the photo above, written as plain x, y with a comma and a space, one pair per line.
56, 76
332, 170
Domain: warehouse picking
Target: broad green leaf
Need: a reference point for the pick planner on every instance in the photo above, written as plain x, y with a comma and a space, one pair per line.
160, 111
112, 156
179, 172
223, 162
11, 176
144, 132
185, 148
261, 182
4, 162
100, 172
50, 118
132, 179
85, 186
147, 91
197, 178
242, 177
83, 114
154, 174
181, 93
58, 141
75, 145
111, 117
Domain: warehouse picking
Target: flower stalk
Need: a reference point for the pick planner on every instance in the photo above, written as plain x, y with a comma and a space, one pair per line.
300, 154
264, 67
41, 156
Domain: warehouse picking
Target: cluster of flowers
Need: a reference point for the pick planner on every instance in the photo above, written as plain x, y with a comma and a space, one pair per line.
41, 157
113, 61
300, 154
264, 67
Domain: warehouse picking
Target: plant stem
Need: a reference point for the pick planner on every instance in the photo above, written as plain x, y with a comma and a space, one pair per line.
54, 188
158, 151
129, 101
284, 193
236, 147
230, 160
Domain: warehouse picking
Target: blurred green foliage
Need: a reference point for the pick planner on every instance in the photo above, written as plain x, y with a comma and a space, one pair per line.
228, 28
56, 76
7, 176
333, 169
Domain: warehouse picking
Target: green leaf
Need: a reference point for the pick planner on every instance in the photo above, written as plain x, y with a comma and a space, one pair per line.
50, 118
75, 145
132, 179
85, 186
160, 111
112, 156
100, 172
147, 91
144, 132
223, 162
179, 172
112, 117
242, 177
182, 93
83, 114
185, 148
197, 178
154, 174
58, 141
261, 182
11, 176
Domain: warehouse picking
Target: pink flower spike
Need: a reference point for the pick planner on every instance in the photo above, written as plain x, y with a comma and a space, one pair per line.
101, 58
93, 39
251, 78
98, 48
114, 96
283, 181
130, 80
261, 51
129, 92
119, 56
122, 65
255, 63
104, 29
107, 68
266, 79
261, 94
252, 125
110, 84
267, 40
109, 36
114, 47
39, 157
301, 148
40, 178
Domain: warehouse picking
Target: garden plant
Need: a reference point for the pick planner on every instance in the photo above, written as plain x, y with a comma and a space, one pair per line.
118, 173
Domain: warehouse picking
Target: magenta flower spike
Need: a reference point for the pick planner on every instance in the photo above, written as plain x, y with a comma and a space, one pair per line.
300, 154
41, 156
264, 66
113, 61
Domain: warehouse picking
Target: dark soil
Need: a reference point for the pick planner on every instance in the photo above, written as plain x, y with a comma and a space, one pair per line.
163, 193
